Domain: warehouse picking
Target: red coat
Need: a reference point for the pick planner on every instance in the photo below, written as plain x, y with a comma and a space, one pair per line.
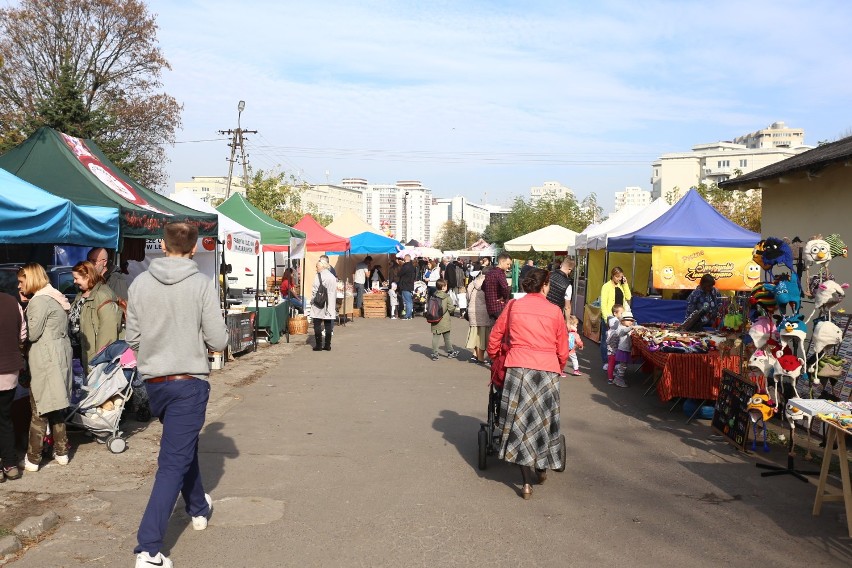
538, 336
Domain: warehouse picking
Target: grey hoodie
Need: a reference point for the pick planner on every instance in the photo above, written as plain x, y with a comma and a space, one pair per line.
173, 317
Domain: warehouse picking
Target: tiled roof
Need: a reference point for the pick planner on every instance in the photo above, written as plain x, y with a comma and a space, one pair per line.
812, 160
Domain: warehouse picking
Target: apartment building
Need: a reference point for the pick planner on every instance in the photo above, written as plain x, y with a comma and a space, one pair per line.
401, 210
777, 135
332, 200
550, 190
632, 198
458, 209
210, 188
677, 172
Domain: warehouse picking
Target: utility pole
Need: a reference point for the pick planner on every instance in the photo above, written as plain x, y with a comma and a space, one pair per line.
237, 140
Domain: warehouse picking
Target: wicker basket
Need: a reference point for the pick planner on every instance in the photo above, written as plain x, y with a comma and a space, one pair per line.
298, 325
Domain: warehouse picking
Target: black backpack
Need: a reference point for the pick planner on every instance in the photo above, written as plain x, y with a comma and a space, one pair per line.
321, 297
434, 309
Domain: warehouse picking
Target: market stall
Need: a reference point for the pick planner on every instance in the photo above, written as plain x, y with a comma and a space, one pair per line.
320, 241
275, 237
553, 238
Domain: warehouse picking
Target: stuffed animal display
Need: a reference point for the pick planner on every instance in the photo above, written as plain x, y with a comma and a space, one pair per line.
778, 329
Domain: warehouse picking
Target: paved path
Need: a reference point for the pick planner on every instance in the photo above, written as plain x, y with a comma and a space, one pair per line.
366, 456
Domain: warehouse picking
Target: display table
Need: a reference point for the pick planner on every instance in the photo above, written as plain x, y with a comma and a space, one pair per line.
345, 307
687, 375
375, 305
835, 434
274, 319
240, 331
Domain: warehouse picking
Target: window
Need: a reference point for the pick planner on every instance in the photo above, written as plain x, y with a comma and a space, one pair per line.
723, 164
743, 163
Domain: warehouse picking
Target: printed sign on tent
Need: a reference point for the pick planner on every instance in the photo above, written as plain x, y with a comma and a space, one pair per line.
680, 268
236, 243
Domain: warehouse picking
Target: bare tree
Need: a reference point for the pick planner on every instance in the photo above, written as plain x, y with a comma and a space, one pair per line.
108, 50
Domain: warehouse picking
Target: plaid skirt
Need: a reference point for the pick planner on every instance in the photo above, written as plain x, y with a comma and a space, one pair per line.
529, 416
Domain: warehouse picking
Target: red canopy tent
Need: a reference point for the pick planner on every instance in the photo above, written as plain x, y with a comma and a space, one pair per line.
318, 238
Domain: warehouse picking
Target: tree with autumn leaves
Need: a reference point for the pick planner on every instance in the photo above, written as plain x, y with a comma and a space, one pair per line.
89, 68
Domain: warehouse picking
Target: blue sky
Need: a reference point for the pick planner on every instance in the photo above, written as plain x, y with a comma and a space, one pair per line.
485, 99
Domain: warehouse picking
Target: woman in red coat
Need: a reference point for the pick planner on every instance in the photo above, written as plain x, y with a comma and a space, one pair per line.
529, 409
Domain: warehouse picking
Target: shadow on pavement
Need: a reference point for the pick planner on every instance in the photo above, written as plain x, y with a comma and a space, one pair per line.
461, 432
215, 448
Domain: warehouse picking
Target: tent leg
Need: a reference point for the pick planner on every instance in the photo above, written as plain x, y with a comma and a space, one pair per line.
257, 303
633, 272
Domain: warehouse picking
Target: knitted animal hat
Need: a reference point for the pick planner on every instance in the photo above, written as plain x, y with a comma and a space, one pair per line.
776, 251
826, 334
761, 361
817, 251
761, 330
836, 246
793, 326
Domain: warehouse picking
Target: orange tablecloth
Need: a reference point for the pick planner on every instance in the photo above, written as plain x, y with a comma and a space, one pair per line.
687, 375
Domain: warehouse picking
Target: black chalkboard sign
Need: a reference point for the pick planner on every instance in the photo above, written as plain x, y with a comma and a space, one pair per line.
731, 418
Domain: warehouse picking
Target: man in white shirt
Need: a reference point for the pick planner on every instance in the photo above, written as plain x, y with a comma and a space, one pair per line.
362, 270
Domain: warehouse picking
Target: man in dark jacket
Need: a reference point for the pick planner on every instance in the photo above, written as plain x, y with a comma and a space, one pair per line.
560, 287
405, 279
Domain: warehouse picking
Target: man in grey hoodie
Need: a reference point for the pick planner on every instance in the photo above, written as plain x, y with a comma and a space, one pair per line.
173, 318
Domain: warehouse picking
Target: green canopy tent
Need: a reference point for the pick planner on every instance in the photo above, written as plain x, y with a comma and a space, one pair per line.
274, 235
78, 170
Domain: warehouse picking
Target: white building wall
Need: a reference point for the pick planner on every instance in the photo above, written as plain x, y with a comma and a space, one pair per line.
209, 188
550, 189
477, 217
399, 216
332, 199
632, 198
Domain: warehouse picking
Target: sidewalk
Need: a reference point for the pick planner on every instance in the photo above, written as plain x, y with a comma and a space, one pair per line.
366, 456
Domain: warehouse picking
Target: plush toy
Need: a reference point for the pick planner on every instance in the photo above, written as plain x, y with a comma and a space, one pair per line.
826, 334
828, 295
787, 292
775, 252
757, 255
793, 330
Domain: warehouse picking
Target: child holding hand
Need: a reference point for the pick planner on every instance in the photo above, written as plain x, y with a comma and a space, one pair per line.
574, 342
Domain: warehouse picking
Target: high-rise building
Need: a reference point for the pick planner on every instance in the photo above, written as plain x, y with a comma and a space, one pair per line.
402, 210
777, 135
457, 209
332, 200
677, 172
550, 190
632, 198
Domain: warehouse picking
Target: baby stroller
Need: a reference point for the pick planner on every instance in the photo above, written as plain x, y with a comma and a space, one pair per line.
97, 405
490, 434
419, 297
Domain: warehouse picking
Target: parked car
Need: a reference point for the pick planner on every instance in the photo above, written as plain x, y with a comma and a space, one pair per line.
60, 278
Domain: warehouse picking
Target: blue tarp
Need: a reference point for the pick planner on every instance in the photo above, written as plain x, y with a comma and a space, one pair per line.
371, 243
657, 310
30, 215
690, 222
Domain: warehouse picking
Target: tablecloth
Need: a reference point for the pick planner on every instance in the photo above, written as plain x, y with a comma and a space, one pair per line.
274, 319
687, 375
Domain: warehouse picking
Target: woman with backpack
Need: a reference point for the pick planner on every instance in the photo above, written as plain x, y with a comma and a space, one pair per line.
323, 305
95, 316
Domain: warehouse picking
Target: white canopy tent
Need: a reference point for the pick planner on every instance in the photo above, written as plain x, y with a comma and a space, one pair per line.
553, 238
610, 222
650, 213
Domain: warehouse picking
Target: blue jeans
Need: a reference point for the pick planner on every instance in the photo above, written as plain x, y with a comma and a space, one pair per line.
408, 302
359, 295
180, 406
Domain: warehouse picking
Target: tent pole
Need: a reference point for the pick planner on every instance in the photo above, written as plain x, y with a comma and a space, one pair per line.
257, 301
633, 272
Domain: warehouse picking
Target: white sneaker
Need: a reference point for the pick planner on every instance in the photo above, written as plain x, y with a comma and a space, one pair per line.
61, 460
200, 523
606, 367
144, 560
30, 466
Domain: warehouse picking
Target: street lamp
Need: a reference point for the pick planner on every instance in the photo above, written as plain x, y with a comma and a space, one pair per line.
405, 217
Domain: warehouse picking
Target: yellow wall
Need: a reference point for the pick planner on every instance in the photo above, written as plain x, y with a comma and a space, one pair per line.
596, 276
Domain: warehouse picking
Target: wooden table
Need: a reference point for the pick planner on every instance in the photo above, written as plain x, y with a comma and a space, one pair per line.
838, 435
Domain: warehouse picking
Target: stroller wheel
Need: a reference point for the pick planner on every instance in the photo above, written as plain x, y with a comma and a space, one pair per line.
482, 439
116, 444
143, 413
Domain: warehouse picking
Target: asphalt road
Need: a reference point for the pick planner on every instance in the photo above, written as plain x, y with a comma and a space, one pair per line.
366, 456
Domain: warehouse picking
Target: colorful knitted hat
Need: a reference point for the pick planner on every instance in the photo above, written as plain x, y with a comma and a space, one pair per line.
826, 334
836, 246
817, 251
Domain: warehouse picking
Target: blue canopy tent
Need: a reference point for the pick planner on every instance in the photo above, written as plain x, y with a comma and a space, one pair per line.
690, 222
31, 215
371, 243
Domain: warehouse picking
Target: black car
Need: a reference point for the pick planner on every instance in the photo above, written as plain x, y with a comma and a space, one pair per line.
60, 278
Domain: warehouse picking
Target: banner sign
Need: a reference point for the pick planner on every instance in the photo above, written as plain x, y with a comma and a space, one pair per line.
237, 243
680, 268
